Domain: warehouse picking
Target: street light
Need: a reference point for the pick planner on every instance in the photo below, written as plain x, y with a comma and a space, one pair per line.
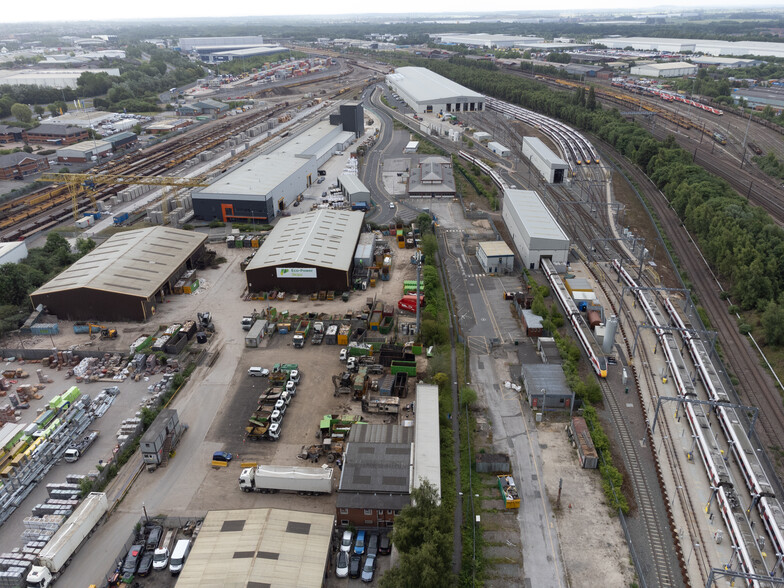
688, 559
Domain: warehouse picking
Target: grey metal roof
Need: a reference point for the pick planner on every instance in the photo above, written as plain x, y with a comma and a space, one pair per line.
379, 433
543, 151
85, 147
533, 214
427, 444
375, 501
377, 467
324, 238
120, 137
52, 129
259, 547
424, 85
136, 263
432, 175
545, 376
13, 159
352, 184
159, 425
534, 321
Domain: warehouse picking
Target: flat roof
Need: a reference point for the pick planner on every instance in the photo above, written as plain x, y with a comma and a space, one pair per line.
427, 444
325, 238
136, 263
86, 146
82, 118
424, 85
377, 467
497, 145
352, 184
259, 547
257, 50
534, 216
543, 151
496, 249
264, 173
668, 66
8, 247
381, 433
545, 376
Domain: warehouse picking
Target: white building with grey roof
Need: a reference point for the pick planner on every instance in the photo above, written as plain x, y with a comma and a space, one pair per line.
427, 92
534, 230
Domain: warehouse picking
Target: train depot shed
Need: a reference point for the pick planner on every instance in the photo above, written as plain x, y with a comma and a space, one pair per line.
260, 547
307, 252
123, 279
495, 257
552, 167
535, 233
428, 92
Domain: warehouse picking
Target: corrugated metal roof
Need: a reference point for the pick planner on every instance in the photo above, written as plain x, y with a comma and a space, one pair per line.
377, 467
262, 547
427, 456
378, 433
424, 85
496, 249
543, 151
538, 377
352, 184
534, 216
133, 262
324, 238
533, 321
85, 146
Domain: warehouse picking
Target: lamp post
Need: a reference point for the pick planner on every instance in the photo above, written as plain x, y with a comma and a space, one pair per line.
688, 559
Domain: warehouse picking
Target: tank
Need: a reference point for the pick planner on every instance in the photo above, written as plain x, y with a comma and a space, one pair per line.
594, 318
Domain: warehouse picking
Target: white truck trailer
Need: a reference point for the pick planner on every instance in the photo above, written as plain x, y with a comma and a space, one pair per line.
270, 479
77, 448
57, 553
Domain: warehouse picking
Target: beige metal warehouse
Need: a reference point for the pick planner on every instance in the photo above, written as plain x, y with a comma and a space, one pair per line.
259, 547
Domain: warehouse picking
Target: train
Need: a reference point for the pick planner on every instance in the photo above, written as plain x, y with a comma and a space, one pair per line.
497, 179
735, 518
666, 95
597, 359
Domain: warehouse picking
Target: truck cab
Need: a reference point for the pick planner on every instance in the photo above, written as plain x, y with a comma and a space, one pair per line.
71, 455
39, 577
274, 431
291, 388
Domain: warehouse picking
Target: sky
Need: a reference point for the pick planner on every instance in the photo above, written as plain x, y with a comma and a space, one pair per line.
57, 10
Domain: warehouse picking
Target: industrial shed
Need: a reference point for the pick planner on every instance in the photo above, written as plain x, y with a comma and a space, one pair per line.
307, 252
552, 167
535, 232
426, 91
12, 252
353, 190
259, 547
495, 257
84, 151
664, 70
545, 387
124, 278
499, 149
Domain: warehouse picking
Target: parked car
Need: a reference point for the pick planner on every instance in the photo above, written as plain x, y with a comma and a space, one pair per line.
341, 569
354, 566
131, 563
145, 565
359, 544
384, 545
372, 545
160, 558
369, 569
346, 541
258, 372
153, 538
222, 456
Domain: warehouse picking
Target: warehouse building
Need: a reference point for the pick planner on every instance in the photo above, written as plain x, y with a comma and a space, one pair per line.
226, 43
427, 441
12, 252
432, 177
759, 98
552, 167
48, 78
259, 547
428, 92
17, 166
725, 62
261, 188
706, 46
53, 134
206, 106
676, 69
499, 149
535, 232
122, 141
124, 278
353, 190
307, 252
84, 151
486, 40
545, 387
217, 55
495, 257
352, 116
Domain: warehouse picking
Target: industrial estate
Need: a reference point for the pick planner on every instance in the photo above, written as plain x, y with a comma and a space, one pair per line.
488, 307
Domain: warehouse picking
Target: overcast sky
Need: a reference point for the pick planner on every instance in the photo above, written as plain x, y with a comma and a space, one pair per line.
58, 10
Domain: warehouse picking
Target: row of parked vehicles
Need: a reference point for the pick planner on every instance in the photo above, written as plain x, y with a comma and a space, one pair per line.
155, 550
349, 560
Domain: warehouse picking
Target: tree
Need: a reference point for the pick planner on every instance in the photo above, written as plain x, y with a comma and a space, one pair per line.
468, 397
590, 101
424, 222
84, 246
773, 323
58, 107
13, 284
22, 113
39, 110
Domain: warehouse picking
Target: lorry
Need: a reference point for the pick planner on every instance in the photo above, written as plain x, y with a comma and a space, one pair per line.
59, 550
269, 479
408, 302
77, 448
300, 334
119, 219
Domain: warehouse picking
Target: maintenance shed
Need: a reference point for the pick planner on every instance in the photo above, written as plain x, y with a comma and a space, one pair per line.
307, 252
353, 190
499, 149
552, 167
535, 232
427, 92
124, 278
260, 547
495, 257
84, 151
545, 387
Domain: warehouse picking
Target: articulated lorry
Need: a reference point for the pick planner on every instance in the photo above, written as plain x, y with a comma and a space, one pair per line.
269, 479
300, 334
77, 448
57, 553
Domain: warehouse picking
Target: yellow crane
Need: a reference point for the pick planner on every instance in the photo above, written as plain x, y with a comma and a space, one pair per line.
79, 184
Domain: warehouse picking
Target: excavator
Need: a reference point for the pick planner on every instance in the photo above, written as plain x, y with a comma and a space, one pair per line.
105, 332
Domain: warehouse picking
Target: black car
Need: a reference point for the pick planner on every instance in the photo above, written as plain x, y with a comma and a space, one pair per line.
145, 565
384, 545
131, 563
354, 566
153, 538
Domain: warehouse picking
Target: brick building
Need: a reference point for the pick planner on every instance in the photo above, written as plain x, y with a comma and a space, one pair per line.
56, 134
17, 166
10, 134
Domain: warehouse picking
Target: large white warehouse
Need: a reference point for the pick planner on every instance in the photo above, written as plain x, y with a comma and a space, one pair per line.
487, 40
426, 91
535, 233
552, 167
706, 46
49, 78
676, 69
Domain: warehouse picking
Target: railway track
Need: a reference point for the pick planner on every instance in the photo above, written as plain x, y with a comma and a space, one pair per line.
755, 384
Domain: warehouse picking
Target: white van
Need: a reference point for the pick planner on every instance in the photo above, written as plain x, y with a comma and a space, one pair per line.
179, 555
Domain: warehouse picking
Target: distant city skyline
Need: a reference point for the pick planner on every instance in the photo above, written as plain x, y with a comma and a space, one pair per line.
92, 10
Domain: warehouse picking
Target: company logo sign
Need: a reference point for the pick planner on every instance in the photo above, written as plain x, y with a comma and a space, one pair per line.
296, 272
